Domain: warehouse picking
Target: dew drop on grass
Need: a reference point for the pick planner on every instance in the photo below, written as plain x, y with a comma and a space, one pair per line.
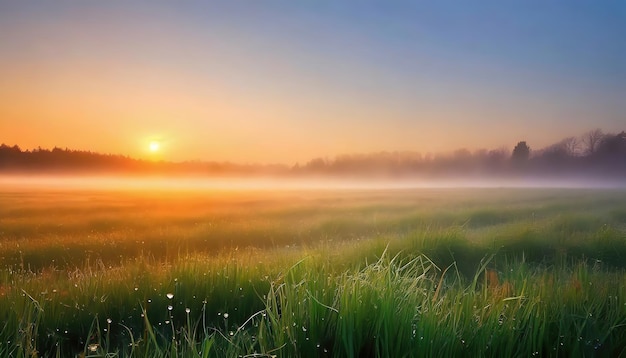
225, 315
109, 321
170, 295
188, 310
169, 308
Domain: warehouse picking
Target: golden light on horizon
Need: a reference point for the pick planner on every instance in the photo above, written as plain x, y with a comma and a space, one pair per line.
184, 86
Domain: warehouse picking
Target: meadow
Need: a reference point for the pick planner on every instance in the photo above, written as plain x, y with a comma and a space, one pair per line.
313, 273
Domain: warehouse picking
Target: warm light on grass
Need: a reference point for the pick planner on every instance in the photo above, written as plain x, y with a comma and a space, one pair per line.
338, 274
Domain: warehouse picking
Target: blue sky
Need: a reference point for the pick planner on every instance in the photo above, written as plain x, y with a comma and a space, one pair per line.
286, 81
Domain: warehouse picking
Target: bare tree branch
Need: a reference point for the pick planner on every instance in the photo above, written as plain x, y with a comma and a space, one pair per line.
591, 141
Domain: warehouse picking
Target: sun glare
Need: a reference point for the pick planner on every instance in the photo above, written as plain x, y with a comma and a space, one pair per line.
154, 146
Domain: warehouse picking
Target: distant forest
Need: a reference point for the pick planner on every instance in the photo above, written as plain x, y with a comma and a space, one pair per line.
594, 154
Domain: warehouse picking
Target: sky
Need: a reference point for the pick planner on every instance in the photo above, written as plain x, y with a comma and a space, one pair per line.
288, 81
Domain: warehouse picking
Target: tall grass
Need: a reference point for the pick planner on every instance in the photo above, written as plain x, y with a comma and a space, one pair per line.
370, 275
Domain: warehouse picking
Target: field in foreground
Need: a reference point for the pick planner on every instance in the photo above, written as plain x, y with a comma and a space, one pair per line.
448, 272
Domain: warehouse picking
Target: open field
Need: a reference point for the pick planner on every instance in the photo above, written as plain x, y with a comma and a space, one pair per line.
391, 273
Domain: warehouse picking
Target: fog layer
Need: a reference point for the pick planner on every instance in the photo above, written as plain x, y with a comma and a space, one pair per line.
17, 182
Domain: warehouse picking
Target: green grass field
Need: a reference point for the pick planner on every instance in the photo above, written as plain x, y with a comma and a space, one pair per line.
379, 273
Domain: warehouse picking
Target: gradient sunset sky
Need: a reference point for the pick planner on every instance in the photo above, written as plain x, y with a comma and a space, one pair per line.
287, 81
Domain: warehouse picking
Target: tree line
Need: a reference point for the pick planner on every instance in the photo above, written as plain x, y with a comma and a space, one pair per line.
594, 153
14, 160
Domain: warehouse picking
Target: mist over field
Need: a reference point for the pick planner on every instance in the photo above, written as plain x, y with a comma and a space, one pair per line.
180, 268
315, 179
593, 159
126, 183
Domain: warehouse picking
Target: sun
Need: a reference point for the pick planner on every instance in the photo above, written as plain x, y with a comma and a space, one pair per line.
154, 146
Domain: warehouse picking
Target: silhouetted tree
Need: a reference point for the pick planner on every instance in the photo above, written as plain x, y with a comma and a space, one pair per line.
613, 145
559, 153
571, 146
521, 153
494, 160
591, 141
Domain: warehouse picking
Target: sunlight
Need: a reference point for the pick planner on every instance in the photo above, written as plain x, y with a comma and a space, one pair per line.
154, 146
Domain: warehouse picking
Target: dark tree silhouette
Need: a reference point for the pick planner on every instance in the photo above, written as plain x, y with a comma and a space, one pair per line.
591, 141
521, 153
570, 145
613, 145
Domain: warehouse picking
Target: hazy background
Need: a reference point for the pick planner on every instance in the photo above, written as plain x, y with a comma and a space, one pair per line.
285, 81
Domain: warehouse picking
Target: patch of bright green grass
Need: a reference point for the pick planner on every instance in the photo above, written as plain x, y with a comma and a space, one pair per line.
380, 274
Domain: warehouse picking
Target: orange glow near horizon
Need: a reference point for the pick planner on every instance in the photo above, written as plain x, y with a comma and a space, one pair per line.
202, 124
110, 79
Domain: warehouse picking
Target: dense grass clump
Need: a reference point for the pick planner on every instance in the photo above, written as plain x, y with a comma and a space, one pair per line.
370, 274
